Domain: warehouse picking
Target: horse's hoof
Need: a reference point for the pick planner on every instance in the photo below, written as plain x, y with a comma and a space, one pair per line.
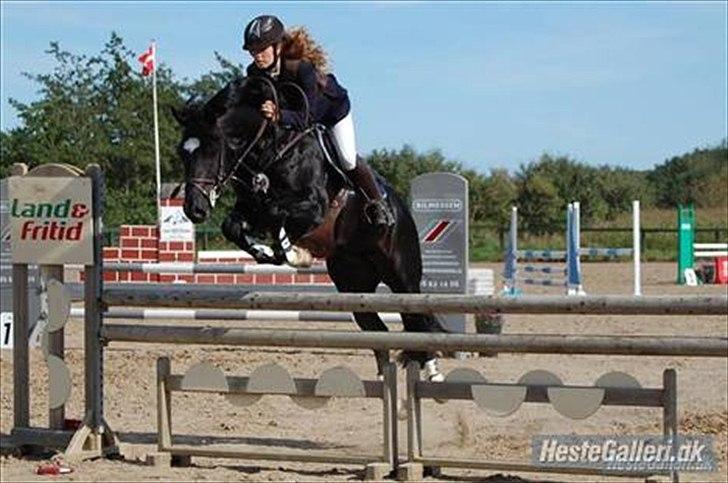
299, 257
433, 374
436, 378
432, 371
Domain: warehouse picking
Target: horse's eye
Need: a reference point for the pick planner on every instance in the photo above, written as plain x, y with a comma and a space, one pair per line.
191, 145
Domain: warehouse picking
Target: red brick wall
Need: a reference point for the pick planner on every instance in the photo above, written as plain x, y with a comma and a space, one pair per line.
140, 243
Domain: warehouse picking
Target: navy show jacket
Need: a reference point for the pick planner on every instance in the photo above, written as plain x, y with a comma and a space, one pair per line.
328, 100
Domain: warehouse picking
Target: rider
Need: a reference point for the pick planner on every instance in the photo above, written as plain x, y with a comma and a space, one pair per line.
294, 57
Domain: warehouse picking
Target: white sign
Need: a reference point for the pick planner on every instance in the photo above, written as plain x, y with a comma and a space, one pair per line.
175, 226
51, 221
6, 330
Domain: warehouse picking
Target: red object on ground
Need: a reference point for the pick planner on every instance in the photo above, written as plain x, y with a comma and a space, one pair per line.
53, 469
48, 469
721, 270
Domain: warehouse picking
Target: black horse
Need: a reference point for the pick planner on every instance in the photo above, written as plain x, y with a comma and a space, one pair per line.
288, 190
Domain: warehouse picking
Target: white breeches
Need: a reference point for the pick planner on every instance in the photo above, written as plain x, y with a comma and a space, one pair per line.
345, 139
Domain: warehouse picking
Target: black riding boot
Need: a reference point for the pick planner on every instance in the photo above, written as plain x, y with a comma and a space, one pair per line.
377, 209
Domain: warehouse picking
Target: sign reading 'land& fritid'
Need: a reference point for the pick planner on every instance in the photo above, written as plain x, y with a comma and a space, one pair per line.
51, 220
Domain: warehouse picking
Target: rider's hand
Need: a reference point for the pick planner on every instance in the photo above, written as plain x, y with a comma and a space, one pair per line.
269, 110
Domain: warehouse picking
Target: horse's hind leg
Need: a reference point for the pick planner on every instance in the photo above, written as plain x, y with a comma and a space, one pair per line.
405, 276
356, 274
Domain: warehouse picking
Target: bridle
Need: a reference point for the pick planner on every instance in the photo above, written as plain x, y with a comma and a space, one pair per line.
212, 188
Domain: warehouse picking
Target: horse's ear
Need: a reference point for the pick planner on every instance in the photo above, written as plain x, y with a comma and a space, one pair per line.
179, 116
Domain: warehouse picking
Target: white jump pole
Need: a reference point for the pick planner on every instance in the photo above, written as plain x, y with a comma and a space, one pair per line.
511, 256
636, 249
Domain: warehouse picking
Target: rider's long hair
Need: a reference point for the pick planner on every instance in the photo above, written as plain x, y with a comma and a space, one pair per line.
299, 45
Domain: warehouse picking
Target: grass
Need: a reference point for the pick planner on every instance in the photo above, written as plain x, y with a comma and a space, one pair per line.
484, 244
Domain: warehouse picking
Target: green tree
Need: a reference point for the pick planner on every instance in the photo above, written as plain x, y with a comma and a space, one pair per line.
400, 167
540, 207
212, 82
618, 187
700, 177
97, 109
496, 194
572, 180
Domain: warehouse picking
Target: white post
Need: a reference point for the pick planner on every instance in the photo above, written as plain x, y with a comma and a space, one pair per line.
577, 227
568, 261
636, 249
156, 126
511, 258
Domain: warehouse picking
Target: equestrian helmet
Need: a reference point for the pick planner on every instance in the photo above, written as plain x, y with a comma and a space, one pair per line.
262, 31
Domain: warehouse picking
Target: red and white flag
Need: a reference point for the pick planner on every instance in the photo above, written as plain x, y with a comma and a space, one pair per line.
147, 61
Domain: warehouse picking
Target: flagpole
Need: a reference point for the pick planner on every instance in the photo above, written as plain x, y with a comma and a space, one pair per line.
156, 127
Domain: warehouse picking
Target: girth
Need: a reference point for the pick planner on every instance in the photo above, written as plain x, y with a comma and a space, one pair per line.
320, 240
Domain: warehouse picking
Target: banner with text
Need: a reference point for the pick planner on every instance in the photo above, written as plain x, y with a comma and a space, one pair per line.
175, 226
51, 220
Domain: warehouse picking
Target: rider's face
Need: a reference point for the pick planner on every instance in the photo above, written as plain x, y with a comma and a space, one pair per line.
264, 58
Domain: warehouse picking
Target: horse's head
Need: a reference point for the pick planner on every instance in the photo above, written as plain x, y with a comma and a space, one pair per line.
200, 150
213, 138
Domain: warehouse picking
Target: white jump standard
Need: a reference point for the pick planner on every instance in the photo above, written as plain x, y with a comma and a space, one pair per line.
562, 268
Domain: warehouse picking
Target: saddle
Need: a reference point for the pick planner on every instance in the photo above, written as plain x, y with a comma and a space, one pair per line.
320, 240
327, 144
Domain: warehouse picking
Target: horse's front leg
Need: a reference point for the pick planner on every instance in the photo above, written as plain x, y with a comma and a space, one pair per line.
238, 230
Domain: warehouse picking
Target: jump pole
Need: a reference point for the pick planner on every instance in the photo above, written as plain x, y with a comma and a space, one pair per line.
223, 297
228, 314
511, 343
636, 248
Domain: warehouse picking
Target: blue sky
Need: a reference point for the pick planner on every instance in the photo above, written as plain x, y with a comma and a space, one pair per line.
491, 84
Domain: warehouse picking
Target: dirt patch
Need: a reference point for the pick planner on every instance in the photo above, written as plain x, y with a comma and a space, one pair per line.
456, 429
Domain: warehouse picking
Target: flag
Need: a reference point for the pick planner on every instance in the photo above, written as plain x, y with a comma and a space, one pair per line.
147, 61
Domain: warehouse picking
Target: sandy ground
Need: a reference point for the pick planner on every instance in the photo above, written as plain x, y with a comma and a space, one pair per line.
456, 429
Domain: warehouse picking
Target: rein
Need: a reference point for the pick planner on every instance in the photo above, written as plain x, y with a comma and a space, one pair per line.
222, 178
260, 181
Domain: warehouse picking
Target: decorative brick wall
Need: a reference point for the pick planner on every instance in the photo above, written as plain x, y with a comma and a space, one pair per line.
140, 243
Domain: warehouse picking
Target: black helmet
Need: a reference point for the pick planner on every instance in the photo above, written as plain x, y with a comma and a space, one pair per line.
262, 31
